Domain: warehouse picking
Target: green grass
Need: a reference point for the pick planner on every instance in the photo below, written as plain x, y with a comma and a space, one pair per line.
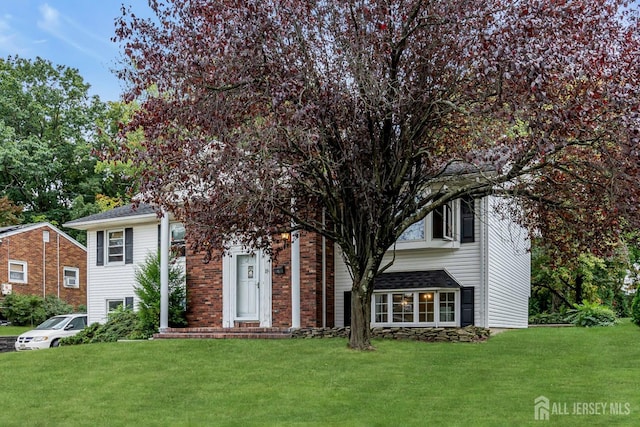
321, 383
14, 330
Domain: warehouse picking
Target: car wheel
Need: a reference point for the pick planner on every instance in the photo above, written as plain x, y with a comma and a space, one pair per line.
55, 343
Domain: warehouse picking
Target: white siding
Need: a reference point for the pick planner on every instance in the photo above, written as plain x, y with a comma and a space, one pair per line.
463, 264
508, 272
116, 281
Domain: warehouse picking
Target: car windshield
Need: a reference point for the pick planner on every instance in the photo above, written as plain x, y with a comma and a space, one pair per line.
53, 323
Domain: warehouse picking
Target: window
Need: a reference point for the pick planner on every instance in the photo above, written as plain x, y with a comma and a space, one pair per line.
18, 271
178, 239
442, 218
77, 323
113, 304
415, 232
71, 277
402, 307
426, 308
447, 306
419, 308
115, 246
381, 308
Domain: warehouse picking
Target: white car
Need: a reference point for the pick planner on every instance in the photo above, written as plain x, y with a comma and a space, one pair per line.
49, 332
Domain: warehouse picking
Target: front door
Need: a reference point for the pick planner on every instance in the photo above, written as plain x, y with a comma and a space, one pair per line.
247, 288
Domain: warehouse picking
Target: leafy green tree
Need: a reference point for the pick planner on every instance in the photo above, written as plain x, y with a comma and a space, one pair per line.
148, 290
559, 283
47, 138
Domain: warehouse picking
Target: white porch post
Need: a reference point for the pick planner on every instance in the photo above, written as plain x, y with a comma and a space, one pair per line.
295, 279
164, 271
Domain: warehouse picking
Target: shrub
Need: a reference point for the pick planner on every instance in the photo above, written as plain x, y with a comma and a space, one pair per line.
148, 292
548, 318
22, 310
635, 308
53, 306
122, 324
592, 314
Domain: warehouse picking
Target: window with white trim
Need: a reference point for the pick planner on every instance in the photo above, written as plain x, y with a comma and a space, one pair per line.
71, 277
177, 232
114, 304
115, 246
17, 271
442, 218
415, 308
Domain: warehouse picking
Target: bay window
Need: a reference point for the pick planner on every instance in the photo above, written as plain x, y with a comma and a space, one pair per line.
416, 308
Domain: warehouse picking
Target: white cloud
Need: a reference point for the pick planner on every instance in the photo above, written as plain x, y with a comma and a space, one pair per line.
65, 29
50, 18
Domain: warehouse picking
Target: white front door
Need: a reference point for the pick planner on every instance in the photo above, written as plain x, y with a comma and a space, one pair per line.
247, 288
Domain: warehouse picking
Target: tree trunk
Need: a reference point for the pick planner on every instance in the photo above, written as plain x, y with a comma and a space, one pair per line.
360, 335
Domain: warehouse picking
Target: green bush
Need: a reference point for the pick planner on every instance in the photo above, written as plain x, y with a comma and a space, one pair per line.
548, 318
591, 314
22, 310
148, 291
122, 324
635, 308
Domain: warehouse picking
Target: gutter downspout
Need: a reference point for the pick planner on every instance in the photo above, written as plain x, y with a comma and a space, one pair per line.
164, 271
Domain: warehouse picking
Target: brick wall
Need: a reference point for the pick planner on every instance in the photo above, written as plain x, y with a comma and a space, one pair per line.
204, 287
56, 254
204, 291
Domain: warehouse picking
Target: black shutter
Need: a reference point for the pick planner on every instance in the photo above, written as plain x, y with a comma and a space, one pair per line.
159, 236
128, 303
347, 308
466, 306
100, 248
128, 245
467, 220
437, 222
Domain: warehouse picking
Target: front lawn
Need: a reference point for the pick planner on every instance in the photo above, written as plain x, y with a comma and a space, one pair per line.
14, 330
320, 382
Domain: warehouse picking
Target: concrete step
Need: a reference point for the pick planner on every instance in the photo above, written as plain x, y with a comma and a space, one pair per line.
224, 333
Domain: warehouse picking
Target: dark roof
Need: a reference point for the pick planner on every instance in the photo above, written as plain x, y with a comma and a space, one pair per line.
10, 228
119, 212
415, 280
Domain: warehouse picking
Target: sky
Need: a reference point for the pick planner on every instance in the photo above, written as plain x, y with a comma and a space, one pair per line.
73, 33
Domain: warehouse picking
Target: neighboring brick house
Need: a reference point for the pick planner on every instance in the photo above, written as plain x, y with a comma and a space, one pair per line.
462, 265
39, 259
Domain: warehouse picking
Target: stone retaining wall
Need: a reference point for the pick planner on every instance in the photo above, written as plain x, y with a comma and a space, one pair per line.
7, 344
466, 334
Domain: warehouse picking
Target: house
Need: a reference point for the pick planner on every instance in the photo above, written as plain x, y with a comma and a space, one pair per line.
39, 259
118, 242
463, 264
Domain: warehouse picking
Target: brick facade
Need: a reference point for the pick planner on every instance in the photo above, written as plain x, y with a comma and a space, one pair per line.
45, 263
204, 287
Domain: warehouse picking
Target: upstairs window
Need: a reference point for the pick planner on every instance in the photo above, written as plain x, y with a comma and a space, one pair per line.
442, 218
115, 246
178, 239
